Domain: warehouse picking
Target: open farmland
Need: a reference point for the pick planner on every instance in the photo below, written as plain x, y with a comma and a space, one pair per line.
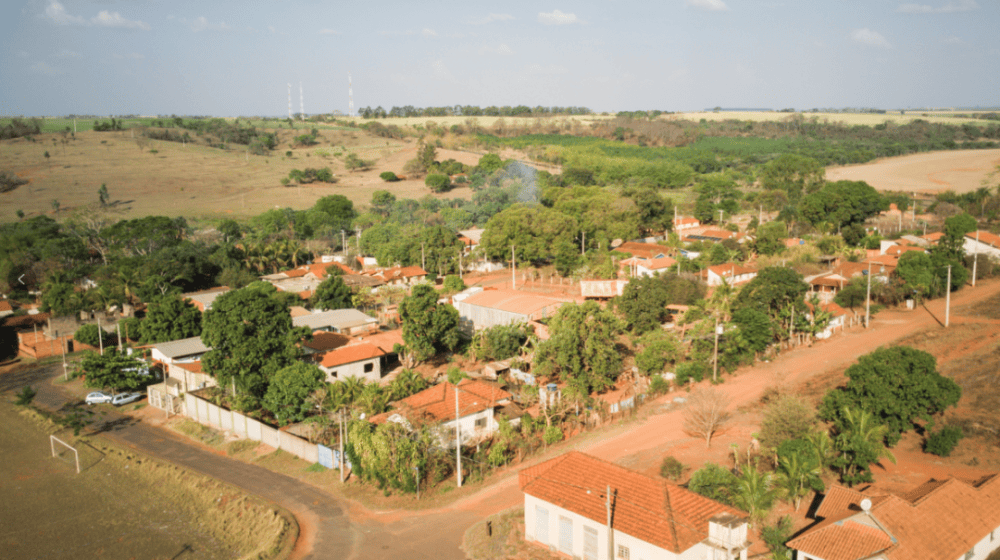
959, 171
197, 181
850, 119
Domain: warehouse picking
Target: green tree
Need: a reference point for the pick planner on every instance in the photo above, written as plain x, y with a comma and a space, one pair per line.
382, 202
354, 162
332, 293
842, 203
453, 283
582, 349
658, 348
251, 337
859, 443
92, 335
534, 232
715, 482
490, 163
437, 182
898, 385
289, 389
796, 476
169, 318
498, 342
755, 493
770, 238
955, 229
428, 326
112, 370
756, 328
643, 304
426, 155
916, 269
787, 418
793, 174
775, 291
854, 293
388, 176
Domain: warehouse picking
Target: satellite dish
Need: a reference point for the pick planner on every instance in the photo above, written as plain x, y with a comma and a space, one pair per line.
866, 505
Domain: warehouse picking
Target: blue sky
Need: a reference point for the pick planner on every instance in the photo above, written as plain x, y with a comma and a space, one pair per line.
229, 58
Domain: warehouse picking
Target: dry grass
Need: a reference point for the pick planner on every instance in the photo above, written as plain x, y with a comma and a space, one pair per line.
943, 117
487, 122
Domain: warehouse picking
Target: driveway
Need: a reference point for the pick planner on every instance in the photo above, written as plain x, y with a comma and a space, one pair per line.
326, 530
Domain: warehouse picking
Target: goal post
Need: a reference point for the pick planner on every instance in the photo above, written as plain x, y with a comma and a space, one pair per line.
76, 454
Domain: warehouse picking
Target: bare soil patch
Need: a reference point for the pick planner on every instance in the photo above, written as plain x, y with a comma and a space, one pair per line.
959, 171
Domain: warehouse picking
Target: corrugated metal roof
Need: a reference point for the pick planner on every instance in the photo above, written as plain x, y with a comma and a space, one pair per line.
183, 347
512, 301
338, 318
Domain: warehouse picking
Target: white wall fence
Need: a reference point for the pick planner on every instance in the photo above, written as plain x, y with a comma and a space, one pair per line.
220, 418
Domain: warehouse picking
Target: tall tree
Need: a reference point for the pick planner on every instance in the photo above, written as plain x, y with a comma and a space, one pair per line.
169, 318
582, 347
332, 293
859, 443
112, 370
251, 336
428, 326
288, 394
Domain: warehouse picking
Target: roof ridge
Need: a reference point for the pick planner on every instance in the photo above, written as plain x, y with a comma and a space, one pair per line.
670, 514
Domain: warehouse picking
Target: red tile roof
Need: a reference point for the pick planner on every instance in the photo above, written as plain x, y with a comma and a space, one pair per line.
991, 239
323, 341
6, 306
644, 250
437, 403
938, 520
386, 340
193, 367
350, 354
686, 221
728, 270
933, 237
653, 510
897, 250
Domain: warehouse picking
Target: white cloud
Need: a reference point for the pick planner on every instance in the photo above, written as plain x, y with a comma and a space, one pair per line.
871, 38
329, 32
501, 49
950, 7
66, 53
56, 13
105, 18
428, 33
538, 69
491, 18
43, 68
201, 23
555, 17
710, 5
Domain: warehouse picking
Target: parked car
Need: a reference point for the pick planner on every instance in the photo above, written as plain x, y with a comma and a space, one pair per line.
125, 398
98, 397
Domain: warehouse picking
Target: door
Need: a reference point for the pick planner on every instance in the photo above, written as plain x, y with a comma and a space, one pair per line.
565, 535
589, 543
542, 525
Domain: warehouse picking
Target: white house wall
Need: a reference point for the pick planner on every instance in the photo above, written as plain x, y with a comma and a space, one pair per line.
354, 369
475, 317
638, 549
970, 248
468, 425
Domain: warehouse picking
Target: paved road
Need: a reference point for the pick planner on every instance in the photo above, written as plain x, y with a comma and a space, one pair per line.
327, 531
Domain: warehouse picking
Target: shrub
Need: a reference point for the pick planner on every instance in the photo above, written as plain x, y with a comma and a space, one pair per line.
453, 283
437, 182
715, 482
775, 536
658, 385
388, 176
25, 395
690, 370
671, 468
455, 375
88, 334
943, 441
553, 434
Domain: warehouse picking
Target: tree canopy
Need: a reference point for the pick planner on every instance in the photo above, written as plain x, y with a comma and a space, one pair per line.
112, 370
251, 337
428, 326
582, 348
289, 390
170, 318
332, 293
898, 385
843, 203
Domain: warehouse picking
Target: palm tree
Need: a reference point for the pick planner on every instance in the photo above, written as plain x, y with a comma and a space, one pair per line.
351, 388
795, 477
823, 450
755, 493
373, 400
861, 442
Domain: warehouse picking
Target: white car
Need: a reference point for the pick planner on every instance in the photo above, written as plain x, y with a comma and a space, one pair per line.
125, 398
98, 397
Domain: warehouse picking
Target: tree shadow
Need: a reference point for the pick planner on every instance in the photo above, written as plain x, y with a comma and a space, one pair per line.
115, 425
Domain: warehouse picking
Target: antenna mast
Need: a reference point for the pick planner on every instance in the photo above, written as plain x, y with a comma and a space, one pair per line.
350, 96
289, 100
302, 105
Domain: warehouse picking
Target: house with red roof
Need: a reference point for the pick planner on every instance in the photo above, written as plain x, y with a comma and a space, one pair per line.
398, 275
471, 404
584, 507
982, 243
682, 223
203, 300
732, 273
642, 250
360, 359
638, 266
950, 519
838, 318
6, 308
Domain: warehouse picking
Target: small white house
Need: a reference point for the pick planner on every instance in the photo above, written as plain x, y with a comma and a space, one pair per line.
983, 243
569, 499
184, 350
732, 273
361, 360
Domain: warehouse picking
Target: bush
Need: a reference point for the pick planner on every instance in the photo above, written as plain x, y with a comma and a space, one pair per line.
88, 334
388, 176
688, 371
943, 441
455, 375
658, 385
671, 468
552, 434
453, 283
775, 536
25, 395
437, 182
715, 482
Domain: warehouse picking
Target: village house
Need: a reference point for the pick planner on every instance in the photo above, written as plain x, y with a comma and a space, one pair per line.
638, 267
343, 321
178, 351
683, 223
643, 250
361, 360
203, 300
734, 274
490, 308
602, 289
470, 239
982, 243
826, 286
712, 235
477, 404
398, 276
584, 507
838, 318
949, 519
304, 280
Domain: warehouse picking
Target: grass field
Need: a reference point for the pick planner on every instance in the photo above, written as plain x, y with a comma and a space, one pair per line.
121, 506
868, 119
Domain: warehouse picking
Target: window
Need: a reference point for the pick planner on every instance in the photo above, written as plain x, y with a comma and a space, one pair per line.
623, 552
970, 554
480, 423
369, 367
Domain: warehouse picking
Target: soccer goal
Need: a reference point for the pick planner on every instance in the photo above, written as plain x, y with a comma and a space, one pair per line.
76, 455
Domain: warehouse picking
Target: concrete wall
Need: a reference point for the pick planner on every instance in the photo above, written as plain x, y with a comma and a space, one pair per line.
468, 425
475, 317
220, 418
355, 369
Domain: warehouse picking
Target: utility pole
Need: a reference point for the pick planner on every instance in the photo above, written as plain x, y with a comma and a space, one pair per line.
583, 243
791, 325
340, 422
62, 346
715, 361
460, 263
343, 241
417, 468
513, 269
358, 231
868, 296
947, 299
118, 327
458, 442
720, 217
100, 335
975, 259
423, 260
611, 532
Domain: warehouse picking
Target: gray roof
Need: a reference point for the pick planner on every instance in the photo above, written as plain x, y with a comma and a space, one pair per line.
207, 297
339, 319
183, 347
